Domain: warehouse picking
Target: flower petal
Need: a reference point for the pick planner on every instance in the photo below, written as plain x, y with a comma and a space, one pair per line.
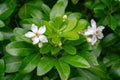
100, 28
35, 40
94, 39
34, 28
93, 24
89, 31
42, 30
100, 35
43, 38
29, 34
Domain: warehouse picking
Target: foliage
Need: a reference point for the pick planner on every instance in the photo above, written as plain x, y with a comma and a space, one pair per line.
67, 55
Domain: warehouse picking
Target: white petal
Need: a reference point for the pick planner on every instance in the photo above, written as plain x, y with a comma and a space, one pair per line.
43, 38
40, 45
93, 24
29, 34
100, 35
35, 40
34, 28
42, 30
94, 39
100, 28
89, 31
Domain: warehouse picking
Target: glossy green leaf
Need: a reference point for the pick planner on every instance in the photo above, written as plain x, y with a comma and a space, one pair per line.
7, 8
45, 65
99, 70
46, 9
58, 22
115, 70
20, 35
20, 48
45, 49
90, 57
75, 1
81, 25
78, 78
81, 40
112, 22
111, 59
58, 9
71, 35
76, 15
106, 2
55, 50
76, 61
29, 63
87, 75
2, 69
12, 64
71, 24
26, 10
2, 24
69, 49
109, 40
1, 36
63, 69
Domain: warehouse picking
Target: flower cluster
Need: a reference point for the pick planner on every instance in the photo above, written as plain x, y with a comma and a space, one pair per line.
93, 32
37, 35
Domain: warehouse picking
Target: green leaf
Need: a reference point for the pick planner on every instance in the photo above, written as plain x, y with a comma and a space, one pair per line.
90, 57
112, 22
26, 10
69, 49
12, 63
87, 75
63, 69
56, 40
78, 78
81, 40
71, 35
29, 63
7, 8
109, 40
45, 65
20, 48
55, 50
71, 24
1, 36
20, 35
81, 25
76, 15
2, 69
115, 70
58, 22
46, 9
99, 70
45, 49
74, 1
2, 24
76, 61
58, 9
36, 14
106, 2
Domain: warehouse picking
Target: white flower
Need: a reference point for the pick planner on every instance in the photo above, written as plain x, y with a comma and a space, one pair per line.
93, 32
37, 34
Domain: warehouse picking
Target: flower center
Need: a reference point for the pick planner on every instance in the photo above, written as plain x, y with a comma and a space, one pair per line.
97, 32
36, 34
